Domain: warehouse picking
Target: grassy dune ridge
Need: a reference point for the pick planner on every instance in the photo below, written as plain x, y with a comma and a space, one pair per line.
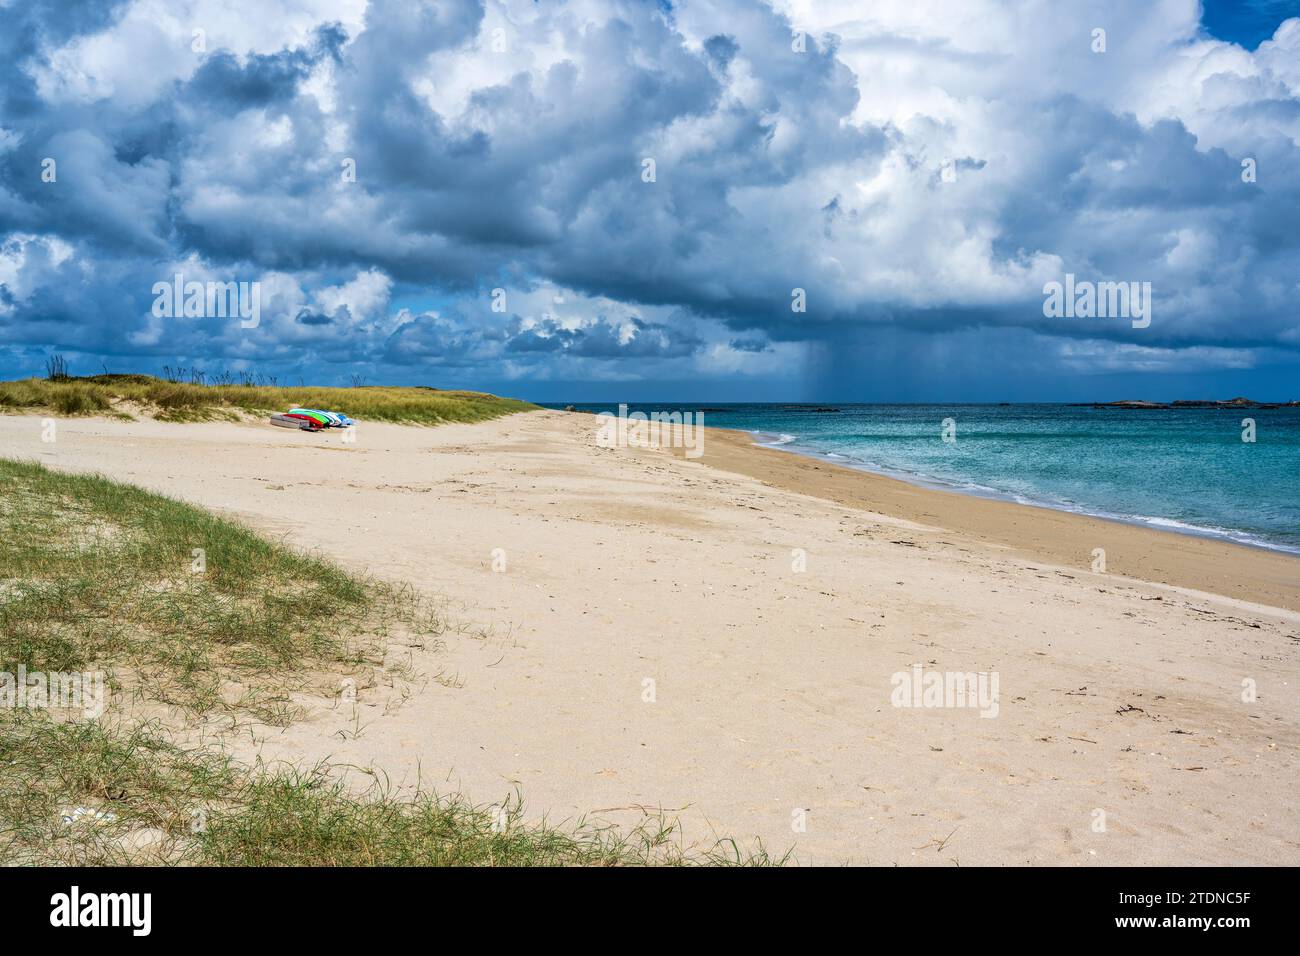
189, 401
99, 575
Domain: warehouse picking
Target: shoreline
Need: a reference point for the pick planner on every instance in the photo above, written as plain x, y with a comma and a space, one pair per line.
1258, 575
1032, 486
792, 447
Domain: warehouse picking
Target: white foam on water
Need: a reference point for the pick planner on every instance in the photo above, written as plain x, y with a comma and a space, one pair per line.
787, 443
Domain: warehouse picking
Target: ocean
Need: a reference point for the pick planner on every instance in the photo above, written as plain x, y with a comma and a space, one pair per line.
1185, 470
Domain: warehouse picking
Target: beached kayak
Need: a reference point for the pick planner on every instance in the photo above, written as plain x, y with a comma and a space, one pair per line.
290, 421
308, 421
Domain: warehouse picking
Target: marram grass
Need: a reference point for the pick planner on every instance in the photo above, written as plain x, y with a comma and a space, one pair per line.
156, 803
202, 611
127, 395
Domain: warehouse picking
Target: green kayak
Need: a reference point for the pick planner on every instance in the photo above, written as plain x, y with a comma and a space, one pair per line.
315, 416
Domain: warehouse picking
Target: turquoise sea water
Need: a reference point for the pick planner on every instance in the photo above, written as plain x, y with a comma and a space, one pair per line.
1182, 470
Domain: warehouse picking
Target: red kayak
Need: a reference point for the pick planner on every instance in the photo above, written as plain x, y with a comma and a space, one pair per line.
312, 423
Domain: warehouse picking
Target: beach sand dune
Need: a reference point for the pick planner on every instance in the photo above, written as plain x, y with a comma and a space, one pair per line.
720, 638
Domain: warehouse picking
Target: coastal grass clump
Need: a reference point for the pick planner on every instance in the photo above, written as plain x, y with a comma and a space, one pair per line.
144, 800
57, 395
99, 575
186, 401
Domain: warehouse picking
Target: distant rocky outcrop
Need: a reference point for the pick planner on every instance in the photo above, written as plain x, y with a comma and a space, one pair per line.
1237, 402
1132, 403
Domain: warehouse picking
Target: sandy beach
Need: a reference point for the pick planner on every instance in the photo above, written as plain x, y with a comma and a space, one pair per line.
719, 638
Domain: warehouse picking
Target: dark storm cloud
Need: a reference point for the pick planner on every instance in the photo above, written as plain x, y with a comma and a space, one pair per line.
636, 339
224, 83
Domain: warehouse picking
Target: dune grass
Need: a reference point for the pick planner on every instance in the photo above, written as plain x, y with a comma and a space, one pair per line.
98, 575
199, 608
191, 401
152, 802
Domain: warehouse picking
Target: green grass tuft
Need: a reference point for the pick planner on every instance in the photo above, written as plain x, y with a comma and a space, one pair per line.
152, 802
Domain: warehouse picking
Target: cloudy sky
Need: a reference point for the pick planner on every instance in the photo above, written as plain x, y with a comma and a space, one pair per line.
600, 200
